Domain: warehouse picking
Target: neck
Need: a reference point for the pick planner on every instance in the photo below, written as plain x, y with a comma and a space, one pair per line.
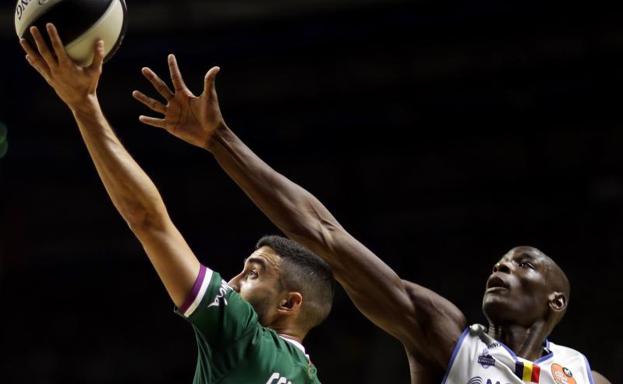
296, 338
288, 330
526, 342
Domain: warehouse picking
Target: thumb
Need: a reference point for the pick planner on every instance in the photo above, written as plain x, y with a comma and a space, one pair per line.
210, 80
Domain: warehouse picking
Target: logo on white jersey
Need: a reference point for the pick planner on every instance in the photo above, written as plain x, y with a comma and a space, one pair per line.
562, 375
222, 291
485, 359
276, 378
480, 380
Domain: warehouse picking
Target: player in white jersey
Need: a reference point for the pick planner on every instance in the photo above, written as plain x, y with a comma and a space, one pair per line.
525, 297
482, 360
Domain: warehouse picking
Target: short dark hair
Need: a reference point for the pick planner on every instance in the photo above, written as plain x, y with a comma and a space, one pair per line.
305, 272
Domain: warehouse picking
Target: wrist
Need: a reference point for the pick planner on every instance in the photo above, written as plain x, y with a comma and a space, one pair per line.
86, 105
220, 133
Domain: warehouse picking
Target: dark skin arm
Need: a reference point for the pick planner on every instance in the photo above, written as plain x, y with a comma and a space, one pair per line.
426, 323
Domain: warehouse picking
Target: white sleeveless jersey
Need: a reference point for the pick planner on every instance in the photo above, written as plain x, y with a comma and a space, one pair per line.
480, 359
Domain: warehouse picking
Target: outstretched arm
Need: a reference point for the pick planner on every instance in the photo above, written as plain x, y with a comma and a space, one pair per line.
409, 312
130, 189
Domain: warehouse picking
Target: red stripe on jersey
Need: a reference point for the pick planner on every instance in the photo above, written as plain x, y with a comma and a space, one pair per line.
536, 372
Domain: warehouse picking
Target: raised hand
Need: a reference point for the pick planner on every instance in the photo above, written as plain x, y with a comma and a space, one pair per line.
193, 119
73, 84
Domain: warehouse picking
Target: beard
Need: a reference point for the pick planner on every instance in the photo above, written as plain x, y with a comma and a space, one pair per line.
262, 307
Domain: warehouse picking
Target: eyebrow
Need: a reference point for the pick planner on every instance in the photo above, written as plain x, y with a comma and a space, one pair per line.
256, 260
528, 255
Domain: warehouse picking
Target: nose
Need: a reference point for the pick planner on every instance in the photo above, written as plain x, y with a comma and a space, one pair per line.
235, 283
502, 266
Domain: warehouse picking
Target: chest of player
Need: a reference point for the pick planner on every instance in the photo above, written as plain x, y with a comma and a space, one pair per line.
478, 361
260, 357
262, 371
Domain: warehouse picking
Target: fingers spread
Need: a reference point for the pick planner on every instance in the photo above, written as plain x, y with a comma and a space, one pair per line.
57, 44
160, 85
44, 51
153, 104
176, 75
158, 123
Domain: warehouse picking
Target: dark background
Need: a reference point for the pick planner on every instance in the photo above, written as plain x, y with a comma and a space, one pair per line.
440, 134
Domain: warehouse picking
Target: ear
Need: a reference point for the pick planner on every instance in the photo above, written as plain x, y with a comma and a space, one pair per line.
291, 304
557, 301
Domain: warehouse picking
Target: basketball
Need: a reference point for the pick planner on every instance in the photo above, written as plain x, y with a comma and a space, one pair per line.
80, 23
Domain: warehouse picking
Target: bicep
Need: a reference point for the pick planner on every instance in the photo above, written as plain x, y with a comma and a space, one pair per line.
373, 286
418, 317
438, 324
174, 261
375, 289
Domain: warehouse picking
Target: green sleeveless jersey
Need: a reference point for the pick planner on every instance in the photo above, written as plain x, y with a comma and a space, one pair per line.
233, 347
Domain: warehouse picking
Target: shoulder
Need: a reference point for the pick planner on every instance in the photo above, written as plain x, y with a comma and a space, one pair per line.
565, 352
473, 338
218, 311
568, 356
286, 357
284, 345
209, 290
575, 359
436, 325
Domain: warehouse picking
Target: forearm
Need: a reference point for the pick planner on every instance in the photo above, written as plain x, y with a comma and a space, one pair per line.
130, 189
290, 207
132, 192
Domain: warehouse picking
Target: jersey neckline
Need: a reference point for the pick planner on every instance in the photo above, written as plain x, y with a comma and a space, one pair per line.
296, 344
482, 330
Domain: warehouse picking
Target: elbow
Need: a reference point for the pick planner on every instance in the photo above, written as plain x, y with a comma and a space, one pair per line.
325, 238
315, 230
136, 221
140, 219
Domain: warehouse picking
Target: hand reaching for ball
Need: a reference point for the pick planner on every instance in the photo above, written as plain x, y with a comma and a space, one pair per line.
81, 24
73, 84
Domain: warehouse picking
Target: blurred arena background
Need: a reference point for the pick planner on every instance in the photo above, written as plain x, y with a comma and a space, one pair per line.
441, 134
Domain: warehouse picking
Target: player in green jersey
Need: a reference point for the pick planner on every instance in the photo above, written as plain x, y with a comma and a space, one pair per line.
248, 331
233, 345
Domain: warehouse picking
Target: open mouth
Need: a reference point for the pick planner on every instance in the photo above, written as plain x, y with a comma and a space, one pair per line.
496, 283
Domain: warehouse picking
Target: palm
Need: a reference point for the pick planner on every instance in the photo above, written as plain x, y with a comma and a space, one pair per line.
190, 118
184, 117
